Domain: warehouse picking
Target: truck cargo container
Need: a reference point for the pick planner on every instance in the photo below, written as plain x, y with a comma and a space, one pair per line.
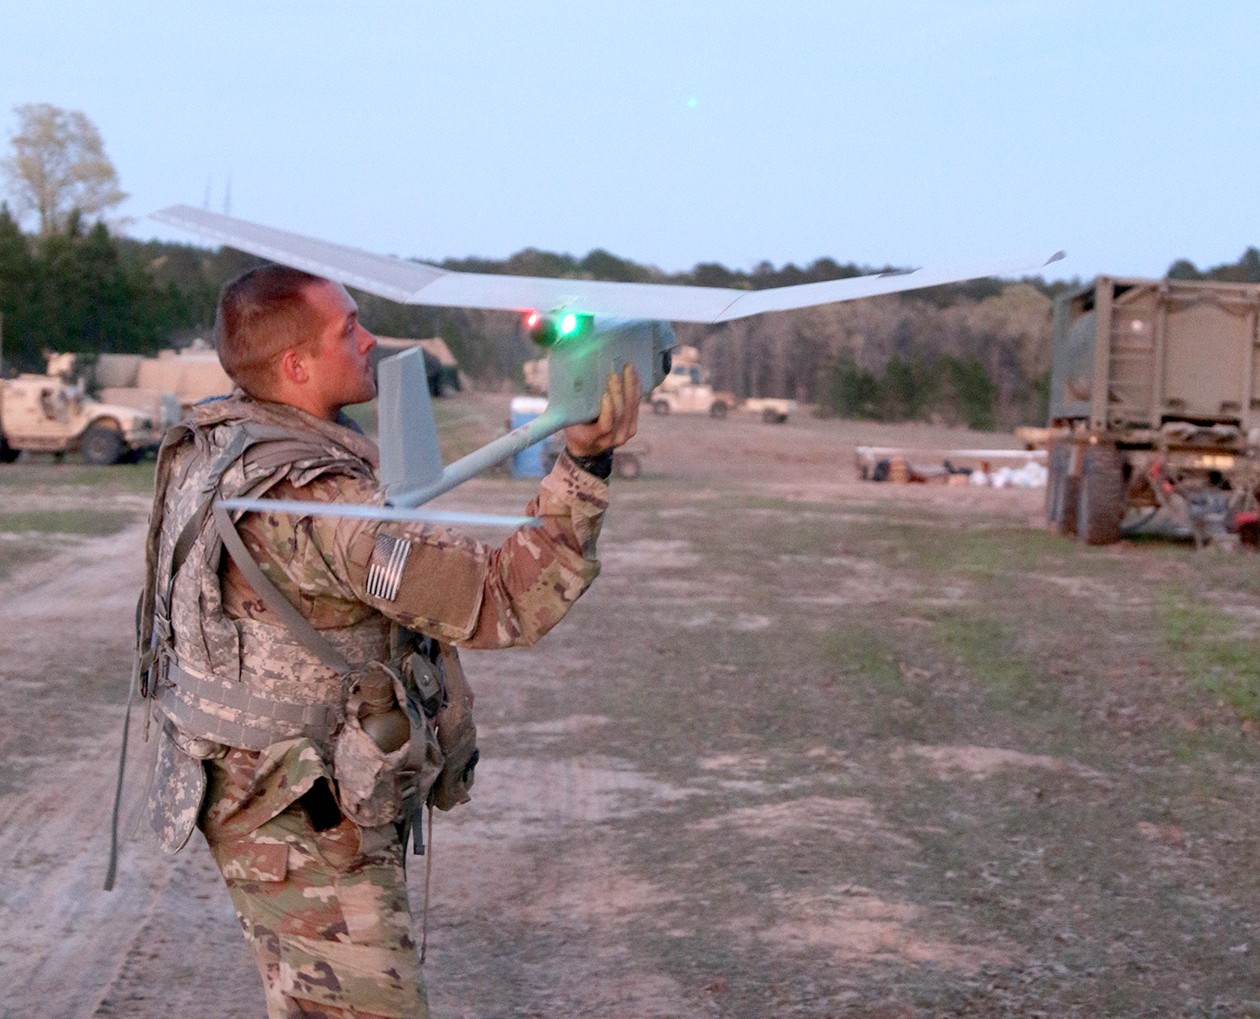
1154, 405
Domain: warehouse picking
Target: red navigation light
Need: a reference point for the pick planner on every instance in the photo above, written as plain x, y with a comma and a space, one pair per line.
540, 328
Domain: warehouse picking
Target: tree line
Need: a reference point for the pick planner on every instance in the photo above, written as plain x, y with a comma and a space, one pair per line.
975, 354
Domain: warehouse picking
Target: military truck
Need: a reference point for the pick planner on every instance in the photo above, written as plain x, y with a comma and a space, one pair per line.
686, 390
1154, 405
51, 414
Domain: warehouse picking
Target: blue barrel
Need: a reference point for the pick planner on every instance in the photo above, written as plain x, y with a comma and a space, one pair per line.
528, 463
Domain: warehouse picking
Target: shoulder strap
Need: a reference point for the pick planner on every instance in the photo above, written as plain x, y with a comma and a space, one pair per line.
247, 435
188, 534
300, 626
154, 592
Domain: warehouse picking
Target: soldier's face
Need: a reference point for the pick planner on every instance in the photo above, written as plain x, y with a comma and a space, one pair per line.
341, 367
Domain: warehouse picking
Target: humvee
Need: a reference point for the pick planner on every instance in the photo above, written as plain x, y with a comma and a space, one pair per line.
50, 414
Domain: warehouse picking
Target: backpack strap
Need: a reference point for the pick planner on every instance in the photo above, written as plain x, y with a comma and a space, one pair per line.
249, 434
300, 626
153, 624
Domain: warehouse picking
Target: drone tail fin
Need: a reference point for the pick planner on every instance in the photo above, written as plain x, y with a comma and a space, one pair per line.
410, 456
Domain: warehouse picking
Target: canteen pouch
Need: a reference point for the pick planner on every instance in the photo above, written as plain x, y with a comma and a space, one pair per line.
371, 783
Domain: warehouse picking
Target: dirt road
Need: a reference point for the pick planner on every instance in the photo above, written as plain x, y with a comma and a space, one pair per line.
689, 806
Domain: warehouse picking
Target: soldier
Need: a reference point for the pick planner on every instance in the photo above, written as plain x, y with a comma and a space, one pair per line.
271, 738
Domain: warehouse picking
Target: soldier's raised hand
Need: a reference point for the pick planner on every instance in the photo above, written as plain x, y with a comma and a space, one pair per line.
618, 417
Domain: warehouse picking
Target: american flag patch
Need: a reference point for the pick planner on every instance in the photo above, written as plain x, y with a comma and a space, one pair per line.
385, 569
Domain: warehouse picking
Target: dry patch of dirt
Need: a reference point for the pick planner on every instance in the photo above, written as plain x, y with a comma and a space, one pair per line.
861, 929
981, 762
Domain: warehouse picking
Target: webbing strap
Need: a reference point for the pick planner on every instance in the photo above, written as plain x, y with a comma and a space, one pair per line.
259, 721
301, 628
112, 870
428, 875
248, 436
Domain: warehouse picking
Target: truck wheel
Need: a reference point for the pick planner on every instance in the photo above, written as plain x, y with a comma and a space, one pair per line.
772, 417
627, 466
7, 453
101, 444
718, 410
660, 407
1100, 505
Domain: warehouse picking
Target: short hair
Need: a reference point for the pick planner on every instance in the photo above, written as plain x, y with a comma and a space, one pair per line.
261, 314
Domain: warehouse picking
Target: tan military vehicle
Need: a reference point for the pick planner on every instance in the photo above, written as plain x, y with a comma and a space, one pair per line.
1155, 406
687, 390
188, 375
51, 414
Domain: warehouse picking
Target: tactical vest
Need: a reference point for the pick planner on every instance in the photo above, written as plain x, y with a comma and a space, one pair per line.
222, 682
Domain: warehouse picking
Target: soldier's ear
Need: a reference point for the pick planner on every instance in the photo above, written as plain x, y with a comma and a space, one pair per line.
293, 366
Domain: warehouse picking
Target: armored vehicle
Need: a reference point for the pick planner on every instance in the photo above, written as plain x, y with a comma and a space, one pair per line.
1154, 405
47, 413
686, 390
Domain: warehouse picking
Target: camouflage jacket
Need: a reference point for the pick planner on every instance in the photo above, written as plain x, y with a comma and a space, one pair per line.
350, 578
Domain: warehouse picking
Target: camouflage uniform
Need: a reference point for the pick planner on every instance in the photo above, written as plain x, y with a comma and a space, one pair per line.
250, 717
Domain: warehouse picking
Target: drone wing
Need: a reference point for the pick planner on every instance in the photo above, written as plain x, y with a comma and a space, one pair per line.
634, 330
418, 283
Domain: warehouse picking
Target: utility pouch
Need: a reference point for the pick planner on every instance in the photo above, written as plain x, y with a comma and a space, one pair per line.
425, 693
441, 696
371, 782
456, 735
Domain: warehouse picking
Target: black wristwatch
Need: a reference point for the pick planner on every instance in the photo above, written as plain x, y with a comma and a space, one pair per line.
600, 464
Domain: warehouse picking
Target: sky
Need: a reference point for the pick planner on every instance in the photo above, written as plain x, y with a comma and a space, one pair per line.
881, 132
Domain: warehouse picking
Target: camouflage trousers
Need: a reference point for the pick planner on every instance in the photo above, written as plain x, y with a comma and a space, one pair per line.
326, 916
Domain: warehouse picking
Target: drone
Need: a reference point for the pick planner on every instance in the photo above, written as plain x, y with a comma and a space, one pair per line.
590, 329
